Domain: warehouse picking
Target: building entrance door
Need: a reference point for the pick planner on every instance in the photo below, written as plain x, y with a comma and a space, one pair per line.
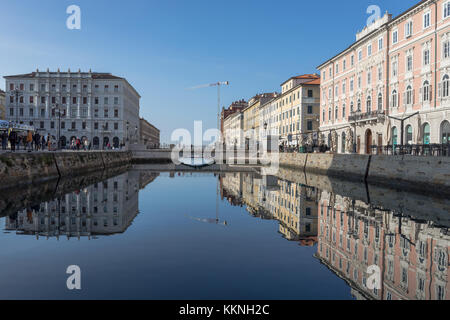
368, 141
380, 144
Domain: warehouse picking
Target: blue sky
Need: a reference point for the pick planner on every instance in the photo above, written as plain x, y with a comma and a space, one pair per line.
165, 47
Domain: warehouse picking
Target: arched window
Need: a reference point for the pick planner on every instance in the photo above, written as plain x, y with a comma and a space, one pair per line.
369, 104
394, 136
426, 91
105, 141
343, 111
329, 114
409, 135
409, 95
343, 142
380, 102
426, 133
394, 100
445, 85
359, 106
445, 132
336, 113
351, 107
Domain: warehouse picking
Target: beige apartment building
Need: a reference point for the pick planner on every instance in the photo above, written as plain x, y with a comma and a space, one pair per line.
149, 134
391, 86
297, 110
252, 117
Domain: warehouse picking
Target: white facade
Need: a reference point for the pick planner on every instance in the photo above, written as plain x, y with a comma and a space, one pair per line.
269, 119
234, 129
99, 107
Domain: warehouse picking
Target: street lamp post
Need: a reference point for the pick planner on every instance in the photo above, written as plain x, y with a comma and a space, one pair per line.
16, 93
57, 109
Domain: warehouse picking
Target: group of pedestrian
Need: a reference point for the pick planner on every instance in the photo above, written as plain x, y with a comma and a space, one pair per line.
78, 144
30, 141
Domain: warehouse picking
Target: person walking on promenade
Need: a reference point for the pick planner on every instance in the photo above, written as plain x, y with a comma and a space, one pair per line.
12, 140
37, 141
49, 142
86, 144
42, 142
18, 141
29, 140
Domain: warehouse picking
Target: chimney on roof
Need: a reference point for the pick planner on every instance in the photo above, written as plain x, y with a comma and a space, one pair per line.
48, 70
37, 70
58, 70
79, 70
68, 70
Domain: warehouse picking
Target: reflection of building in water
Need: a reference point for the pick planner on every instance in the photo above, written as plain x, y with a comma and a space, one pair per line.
412, 256
231, 188
292, 204
146, 177
104, 208
297, 212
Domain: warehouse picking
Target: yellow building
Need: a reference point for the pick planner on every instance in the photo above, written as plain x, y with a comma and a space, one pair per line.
251, 114
298, 109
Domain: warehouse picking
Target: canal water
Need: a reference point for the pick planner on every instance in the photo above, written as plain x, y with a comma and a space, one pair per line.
140, 234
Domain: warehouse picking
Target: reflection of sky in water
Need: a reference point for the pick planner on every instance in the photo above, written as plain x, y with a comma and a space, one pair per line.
172, 249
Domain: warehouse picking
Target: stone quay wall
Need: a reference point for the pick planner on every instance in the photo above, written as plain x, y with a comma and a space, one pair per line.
26, 168
429, 174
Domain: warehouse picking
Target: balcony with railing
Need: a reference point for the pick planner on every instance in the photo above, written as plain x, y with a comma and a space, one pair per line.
359, 116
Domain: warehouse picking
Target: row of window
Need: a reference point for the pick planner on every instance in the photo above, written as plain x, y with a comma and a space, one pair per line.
63, 87
73, 126
75, 100
409, 68
54, 114
408, 99
395, 38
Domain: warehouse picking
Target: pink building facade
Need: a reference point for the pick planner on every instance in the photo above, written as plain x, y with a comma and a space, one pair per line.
398, 69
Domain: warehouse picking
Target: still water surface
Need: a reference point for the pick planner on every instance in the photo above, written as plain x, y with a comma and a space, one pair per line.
140, 234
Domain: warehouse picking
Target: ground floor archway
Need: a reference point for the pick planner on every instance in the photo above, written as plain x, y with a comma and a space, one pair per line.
116, 142
445, 132
96, 142
105, 142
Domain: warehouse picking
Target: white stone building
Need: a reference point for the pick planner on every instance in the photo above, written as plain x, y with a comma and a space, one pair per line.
268, 115
99, 107
234, 129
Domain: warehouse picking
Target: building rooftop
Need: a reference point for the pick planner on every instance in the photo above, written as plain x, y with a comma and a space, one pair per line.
94, 75
89, 74
311, 76
149, 124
